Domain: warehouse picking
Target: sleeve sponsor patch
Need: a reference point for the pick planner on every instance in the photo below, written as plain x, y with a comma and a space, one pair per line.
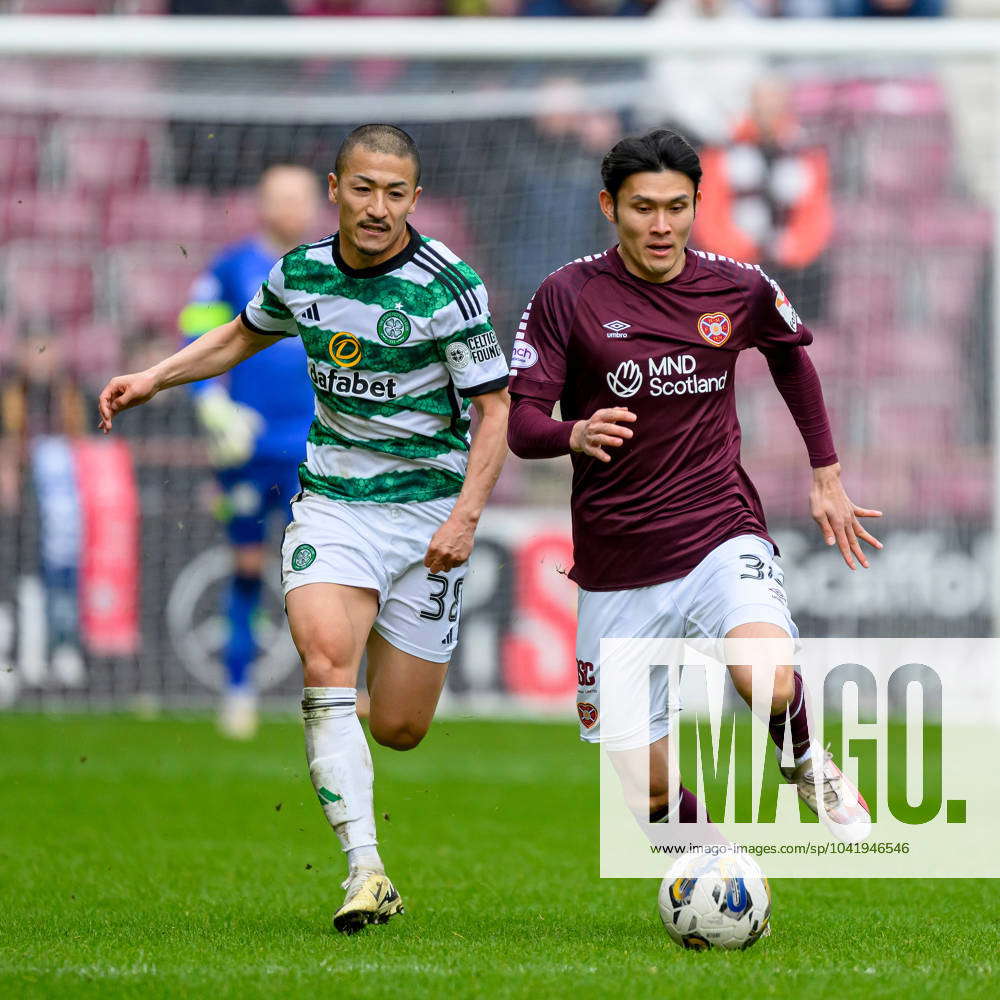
484, 347
523, 355
785, 309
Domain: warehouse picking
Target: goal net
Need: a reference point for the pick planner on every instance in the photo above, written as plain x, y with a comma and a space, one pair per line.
863, 182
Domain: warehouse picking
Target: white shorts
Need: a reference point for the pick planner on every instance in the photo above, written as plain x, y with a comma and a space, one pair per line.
379, 546
739, 581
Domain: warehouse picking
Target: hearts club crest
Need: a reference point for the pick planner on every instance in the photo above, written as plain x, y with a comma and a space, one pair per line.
715, 328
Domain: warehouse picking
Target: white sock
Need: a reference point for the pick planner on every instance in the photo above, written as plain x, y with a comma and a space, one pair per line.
340, 765
804, 756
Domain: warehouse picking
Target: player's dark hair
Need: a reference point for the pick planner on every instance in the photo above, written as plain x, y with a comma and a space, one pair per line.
661, 149
378, 138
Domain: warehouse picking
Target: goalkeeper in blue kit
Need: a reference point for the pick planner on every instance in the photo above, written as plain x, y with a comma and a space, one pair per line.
255, 418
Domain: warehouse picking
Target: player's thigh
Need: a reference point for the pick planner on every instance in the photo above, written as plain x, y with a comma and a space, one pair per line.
412, 641
404, 690
740, 582
636, 708
330, 624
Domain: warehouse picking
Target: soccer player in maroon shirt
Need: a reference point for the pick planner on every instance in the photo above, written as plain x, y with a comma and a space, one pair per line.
639, 346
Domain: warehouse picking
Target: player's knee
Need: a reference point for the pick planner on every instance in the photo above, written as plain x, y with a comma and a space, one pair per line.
328, 667
396, 736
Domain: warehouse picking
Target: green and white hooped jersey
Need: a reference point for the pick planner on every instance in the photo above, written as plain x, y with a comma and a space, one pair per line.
395, 352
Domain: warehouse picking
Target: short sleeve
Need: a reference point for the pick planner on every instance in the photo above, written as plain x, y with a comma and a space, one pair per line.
266, 312
538, 361
470, 347
776, 324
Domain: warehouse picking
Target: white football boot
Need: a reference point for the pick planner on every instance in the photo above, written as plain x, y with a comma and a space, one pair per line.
831, 795
371, 899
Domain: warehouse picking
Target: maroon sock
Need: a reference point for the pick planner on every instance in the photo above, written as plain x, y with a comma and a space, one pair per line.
797, 720
687, 809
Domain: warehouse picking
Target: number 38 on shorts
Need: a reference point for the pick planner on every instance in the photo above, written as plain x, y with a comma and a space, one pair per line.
380, 547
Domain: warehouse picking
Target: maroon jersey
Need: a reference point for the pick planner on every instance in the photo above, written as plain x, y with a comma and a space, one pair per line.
596, 336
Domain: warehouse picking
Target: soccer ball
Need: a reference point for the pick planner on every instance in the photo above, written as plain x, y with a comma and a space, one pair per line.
715, 901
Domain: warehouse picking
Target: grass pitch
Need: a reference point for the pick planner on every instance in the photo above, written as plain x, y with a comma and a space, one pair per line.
151, 859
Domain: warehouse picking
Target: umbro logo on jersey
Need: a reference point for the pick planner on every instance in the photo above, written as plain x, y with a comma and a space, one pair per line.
616, 328
312, 312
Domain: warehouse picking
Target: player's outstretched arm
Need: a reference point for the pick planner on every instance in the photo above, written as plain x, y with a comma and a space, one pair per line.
209, 355
452, 542
837, 516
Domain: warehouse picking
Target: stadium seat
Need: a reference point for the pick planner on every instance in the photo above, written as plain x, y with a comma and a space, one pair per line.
177, 216
152, 283
865, 222
768, 425
910, 425
864, 292
830, 351
954, 224
959, 484
77, 8
912, 352
129, 80
44, 282
96, 159
48, 215
954, 297
93, 350
20, 148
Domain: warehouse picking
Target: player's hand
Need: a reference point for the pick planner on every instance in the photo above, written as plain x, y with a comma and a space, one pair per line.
602, 431
451, 545
231, 428
837, 516
122, 393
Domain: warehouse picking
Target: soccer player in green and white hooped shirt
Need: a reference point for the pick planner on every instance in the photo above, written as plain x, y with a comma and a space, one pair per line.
399, 343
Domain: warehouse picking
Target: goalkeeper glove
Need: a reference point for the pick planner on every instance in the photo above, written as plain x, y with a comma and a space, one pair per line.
232, 428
